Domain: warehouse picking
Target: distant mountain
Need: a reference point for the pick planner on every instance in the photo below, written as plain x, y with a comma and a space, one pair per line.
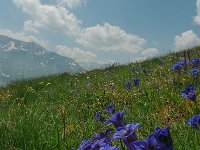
19, 59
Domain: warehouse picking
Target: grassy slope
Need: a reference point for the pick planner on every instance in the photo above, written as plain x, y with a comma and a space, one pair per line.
39, 110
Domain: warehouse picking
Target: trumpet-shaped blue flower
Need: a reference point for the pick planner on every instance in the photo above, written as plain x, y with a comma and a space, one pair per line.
195, 62
103, 144
127, 134
133, 69
110, 109
98, 117
161, 139
128, 85
99, 144
195, 73
109, 147
178, 66
87, 145
136, 82
194, 121
189, 92
117, 119
102, 135
140, 145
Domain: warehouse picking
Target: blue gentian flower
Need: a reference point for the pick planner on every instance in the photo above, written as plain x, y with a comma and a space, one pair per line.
128, 85
127, 134
117, 119
140, 145
102, 135
102, 144
178, 66
195, 73
189, 92
194, 121
99, 144
109, 147
110, 109
136, 82
85, 145
98, 117
133, 69
161, 139
195, 62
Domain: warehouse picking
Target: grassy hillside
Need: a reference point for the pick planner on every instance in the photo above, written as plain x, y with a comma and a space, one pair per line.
57, 112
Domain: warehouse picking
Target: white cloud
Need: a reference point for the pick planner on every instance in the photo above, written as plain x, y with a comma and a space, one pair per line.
145, 54
76, 53
23, 37
187, 39
50, 17
197, 18
150, 52
71, 3
139, 59
110, 38
59, 18
29, 26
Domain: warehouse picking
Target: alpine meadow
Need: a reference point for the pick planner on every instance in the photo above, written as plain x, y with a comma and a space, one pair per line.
152, 104
99, 74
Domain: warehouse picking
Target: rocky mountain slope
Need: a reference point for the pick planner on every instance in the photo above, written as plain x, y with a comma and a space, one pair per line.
19, 59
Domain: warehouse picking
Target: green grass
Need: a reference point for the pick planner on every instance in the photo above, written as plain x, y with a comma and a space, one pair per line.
57, 112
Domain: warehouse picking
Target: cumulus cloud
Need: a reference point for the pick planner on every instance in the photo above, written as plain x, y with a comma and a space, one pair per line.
150, 52
76, 53
107, 37
187, 39
59, 18
197, 18
71, 3
23, 37
49, 17
145, 54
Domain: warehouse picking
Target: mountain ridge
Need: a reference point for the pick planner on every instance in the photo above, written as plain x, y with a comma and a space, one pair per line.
19, 59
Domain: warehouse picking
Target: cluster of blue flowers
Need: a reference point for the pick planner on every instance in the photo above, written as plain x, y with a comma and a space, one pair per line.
143, 70
135, 82
189, 91
160, 139
195, 62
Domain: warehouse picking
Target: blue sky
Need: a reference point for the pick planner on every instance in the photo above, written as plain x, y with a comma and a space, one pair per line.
103, 31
